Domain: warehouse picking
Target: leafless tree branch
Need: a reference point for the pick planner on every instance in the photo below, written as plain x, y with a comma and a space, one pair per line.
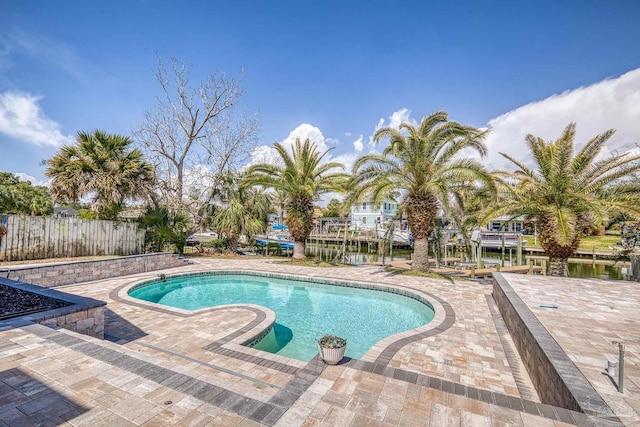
193, 131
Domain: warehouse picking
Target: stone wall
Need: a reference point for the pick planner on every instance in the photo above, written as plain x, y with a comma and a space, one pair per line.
87, 321
65, 273
556, 378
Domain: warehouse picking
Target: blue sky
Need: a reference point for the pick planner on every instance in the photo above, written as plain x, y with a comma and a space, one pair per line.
338, 68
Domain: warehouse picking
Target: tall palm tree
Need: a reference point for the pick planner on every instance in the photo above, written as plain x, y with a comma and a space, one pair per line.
303, 178
422, 163
566, 192
102, 166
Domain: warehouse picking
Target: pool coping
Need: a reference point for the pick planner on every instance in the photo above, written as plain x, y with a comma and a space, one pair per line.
235, 344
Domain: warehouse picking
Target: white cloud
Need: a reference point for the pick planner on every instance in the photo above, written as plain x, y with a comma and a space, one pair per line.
332, 141
267, 154
307, 131
358, 145
401, 116
395, 120
264, 154
32, 179
22, 118
612, 103
347, 160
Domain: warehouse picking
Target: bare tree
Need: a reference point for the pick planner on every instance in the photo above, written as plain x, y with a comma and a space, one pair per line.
193, 136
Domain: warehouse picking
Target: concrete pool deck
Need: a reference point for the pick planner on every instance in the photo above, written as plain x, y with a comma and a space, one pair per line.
161, 367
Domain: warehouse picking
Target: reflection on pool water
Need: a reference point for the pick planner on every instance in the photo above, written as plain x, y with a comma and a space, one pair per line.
304, 311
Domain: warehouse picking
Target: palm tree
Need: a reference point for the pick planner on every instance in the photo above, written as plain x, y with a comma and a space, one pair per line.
102, 166
303, 178
279, 199
163, 226
567, 193
467, 212
241, 211
422, 163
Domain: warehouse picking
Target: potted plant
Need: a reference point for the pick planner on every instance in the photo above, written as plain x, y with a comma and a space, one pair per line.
332, 348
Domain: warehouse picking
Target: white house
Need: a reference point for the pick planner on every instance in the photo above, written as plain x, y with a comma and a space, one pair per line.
368, 214
506, 224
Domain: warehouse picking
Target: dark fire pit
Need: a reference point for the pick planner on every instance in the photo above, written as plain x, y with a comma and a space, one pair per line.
16, 302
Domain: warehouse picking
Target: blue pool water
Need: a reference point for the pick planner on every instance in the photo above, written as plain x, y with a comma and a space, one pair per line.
304, 311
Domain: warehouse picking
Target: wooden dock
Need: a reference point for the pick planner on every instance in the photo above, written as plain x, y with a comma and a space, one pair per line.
540, 258
472, 272
584, 253
487, 272
352, 240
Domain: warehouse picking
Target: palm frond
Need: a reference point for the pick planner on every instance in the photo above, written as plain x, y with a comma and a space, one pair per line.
590, 151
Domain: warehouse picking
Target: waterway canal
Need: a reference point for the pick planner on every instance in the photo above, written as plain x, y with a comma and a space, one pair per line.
584, 268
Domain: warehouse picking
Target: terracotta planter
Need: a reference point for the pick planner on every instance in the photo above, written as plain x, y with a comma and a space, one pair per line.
331, 356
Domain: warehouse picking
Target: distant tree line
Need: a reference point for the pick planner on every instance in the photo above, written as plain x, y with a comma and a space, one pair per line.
21, 197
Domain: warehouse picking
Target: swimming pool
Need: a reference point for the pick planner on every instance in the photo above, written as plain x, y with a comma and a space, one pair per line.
304, 310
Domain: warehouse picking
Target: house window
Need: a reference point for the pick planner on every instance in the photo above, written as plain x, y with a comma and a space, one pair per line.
364, 206
364, 220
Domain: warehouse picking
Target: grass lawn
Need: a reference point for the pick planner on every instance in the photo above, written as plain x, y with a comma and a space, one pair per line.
600, 243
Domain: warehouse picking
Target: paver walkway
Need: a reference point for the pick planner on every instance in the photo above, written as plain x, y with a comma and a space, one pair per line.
160, 367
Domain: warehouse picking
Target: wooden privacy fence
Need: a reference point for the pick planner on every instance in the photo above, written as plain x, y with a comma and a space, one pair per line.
38, 237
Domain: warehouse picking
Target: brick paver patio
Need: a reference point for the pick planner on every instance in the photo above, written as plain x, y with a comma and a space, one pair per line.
167, 367
590, 315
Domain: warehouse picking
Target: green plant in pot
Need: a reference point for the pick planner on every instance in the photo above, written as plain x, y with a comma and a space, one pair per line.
332, 348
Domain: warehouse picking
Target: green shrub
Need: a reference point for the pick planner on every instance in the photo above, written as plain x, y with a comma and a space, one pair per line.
274, 249
216, 243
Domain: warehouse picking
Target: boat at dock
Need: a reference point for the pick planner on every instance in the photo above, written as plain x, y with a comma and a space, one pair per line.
399, 238
496, 239
265, 239
277, 234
